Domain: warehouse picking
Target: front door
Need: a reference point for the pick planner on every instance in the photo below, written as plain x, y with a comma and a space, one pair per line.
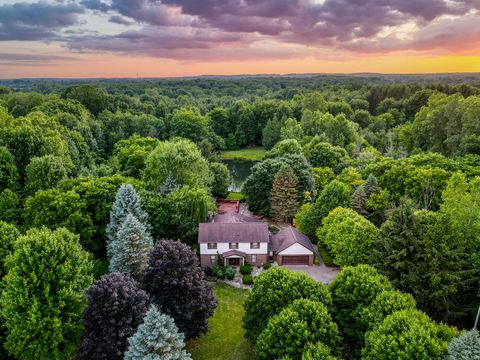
234, 262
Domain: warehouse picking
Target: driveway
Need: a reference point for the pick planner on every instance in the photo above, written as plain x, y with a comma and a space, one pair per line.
321, 273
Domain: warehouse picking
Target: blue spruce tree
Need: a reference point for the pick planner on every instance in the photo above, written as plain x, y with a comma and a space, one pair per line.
126, 201
157, 338
128, 252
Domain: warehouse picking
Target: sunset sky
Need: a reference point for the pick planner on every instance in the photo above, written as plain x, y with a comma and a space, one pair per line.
150, 38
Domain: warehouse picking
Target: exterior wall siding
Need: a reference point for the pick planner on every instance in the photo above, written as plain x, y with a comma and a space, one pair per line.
296, 249
243, 247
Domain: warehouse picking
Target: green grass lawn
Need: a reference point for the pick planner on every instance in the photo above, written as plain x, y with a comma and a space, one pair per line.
225, 340
325, 254
252, 153
236, 196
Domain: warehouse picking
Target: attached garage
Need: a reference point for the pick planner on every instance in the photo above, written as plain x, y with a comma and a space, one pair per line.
295, 260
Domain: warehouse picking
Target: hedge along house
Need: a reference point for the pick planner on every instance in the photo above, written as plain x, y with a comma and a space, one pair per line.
235, 239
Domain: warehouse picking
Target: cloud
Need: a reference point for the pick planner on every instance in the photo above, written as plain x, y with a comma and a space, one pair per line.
36, 21
188, 29
31, 59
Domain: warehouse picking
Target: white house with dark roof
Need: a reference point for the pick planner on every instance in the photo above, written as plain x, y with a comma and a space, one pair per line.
237, 239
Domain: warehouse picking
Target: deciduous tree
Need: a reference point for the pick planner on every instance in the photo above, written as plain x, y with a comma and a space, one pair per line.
43, 298
115, 308
175, 282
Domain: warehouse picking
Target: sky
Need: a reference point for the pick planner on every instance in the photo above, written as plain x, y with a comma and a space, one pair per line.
169, 38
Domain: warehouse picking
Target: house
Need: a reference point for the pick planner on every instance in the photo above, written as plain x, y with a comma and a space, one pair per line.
236, 238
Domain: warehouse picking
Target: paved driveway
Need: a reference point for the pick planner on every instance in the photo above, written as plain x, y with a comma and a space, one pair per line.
321, 273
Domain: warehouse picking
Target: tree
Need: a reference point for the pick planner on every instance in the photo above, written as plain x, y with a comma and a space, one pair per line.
43, 298
284, 147
275, 289
348, 236
317, 351
283, 197
175, 282
314, 101
291, 129
10, 207
44, 173
8, 170
300, 323
157, 338
91, 97
126, 202
465, 347
54, 209
221, 179
258, 185
182, 159
407, 334
352, 290
386, 303
130, 154
310, 216
421, 253
8, 237
189, 124
115, 308
128, 252
324, 154
271, 133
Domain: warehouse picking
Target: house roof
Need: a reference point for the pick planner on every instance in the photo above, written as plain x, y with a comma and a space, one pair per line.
233, 218
233, 232
234, 252
289, 236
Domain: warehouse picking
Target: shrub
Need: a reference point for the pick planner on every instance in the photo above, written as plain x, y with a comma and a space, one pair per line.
302, 322
407, 334
317, 351
218, 271
352, 290
246, 269
267, 266
229, 273
348, 235
247, 279
275, 289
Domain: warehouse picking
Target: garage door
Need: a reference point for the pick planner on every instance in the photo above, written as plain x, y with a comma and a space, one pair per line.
295, 260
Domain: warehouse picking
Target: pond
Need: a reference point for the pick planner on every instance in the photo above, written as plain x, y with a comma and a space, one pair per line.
240, 169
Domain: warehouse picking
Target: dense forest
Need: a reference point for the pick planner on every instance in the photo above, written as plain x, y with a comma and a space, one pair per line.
384, 172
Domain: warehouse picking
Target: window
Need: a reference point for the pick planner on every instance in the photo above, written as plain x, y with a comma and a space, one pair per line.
255, 245
254, 259
233, 245
213, 259
212, 245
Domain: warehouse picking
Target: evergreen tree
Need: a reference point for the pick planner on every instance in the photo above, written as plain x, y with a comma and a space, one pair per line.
465, 346
116, 307
126, 201
157, 338
128, 253
358, 200
175, 281
271, 133
283, 197
169, 184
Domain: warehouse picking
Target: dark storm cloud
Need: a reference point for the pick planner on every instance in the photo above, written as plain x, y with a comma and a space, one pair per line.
36, 21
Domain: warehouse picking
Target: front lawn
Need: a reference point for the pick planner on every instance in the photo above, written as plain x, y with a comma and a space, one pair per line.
251, 153
225, 340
